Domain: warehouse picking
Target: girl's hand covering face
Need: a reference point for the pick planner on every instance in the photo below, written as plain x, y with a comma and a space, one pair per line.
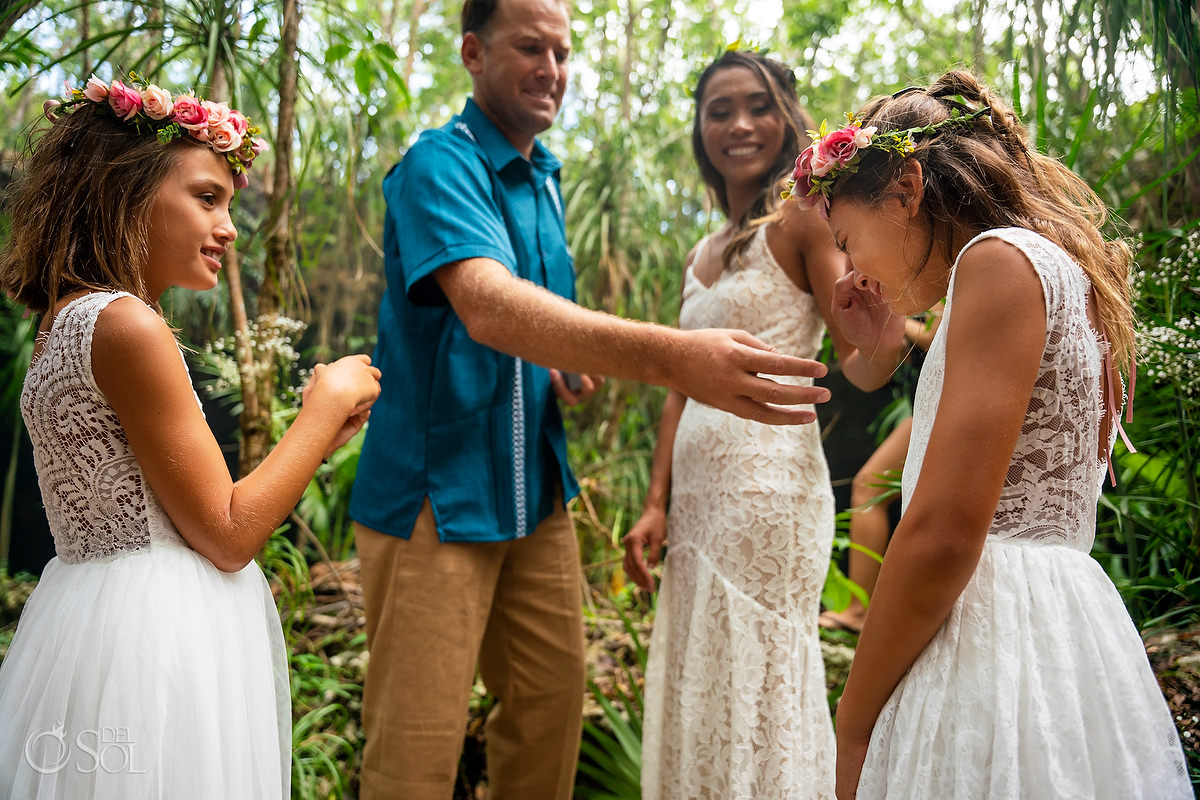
863, 316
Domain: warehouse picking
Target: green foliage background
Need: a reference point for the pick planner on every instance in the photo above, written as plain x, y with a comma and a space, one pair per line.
1109, 87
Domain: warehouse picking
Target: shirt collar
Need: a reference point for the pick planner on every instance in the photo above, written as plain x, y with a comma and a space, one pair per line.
496, 146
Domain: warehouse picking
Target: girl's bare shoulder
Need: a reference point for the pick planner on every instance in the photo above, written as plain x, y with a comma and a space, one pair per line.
128, 336
127, 320
997, 269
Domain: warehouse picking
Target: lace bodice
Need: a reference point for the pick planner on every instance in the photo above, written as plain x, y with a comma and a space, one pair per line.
97, 501
733, 481
1055, 476
754, 294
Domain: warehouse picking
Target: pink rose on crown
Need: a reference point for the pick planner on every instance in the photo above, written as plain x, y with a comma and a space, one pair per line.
862, 138
218, 113
803, 189
802, 175
239, 121
156, 102
840, 146
224, 138
189, 113
96, 90
821, 164
126, 102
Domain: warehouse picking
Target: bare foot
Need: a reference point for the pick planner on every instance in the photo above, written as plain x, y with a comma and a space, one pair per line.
844, 621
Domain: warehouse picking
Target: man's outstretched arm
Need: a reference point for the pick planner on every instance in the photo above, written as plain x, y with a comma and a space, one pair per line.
718, 367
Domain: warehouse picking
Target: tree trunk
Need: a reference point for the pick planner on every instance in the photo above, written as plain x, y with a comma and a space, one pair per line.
85, 32
248, 371
414, 29
279, 261
977, 23
11, 11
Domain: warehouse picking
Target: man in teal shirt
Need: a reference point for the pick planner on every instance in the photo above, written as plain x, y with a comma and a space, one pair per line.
468, 554
476, 430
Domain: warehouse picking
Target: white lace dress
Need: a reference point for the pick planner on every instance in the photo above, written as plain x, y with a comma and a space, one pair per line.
139, 671
1037, 685
735, 685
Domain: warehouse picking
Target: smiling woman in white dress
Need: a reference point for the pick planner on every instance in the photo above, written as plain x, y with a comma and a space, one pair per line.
735, 690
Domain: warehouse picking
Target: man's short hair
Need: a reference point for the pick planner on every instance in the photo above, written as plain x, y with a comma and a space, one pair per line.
476, 14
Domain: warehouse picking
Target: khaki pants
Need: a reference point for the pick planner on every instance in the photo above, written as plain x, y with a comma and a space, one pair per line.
436, 609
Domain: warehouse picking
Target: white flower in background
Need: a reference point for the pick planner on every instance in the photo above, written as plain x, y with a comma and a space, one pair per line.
1168, 336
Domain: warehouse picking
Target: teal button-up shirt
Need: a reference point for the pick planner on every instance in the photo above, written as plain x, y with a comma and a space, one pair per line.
476, 431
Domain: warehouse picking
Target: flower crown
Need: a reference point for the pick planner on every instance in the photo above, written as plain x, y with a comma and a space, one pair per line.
151, 109
834, 153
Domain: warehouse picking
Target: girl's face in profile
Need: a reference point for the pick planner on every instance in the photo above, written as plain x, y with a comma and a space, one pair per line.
190, 226
740, 126
890, 250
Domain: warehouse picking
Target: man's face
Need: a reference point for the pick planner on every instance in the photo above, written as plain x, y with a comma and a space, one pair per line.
519, 67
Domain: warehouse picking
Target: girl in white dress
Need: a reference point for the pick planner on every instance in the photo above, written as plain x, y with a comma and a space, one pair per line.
149, 662
735, 686
996, 660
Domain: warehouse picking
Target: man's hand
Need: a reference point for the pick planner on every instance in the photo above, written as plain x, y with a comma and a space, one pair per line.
590, 384
725, 369
718, 367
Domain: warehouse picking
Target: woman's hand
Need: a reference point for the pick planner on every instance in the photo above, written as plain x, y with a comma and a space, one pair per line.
643, 547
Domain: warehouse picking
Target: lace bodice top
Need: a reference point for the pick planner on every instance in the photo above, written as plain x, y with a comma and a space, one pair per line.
1055, 476
746, 295
97, 501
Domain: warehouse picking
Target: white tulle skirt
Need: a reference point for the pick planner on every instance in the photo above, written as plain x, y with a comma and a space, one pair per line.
151, 675
1037, 686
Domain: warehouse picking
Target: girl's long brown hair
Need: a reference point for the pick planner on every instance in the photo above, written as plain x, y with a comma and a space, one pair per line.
81, 209
983, 175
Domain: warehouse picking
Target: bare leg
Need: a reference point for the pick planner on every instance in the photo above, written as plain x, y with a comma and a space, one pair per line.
870, 526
